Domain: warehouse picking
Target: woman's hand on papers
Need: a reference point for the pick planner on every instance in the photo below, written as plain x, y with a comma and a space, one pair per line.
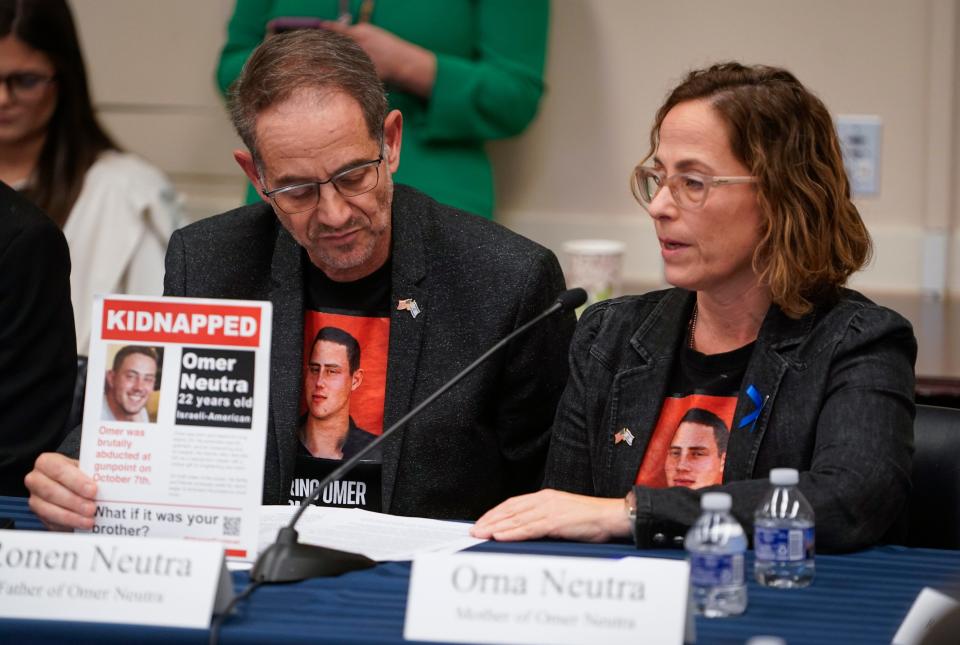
61, 495
554, 514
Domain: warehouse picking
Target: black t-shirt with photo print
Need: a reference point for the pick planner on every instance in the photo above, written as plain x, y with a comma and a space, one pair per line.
362, 309
697, 381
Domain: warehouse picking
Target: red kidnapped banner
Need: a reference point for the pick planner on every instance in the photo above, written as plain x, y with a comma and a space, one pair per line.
164, 321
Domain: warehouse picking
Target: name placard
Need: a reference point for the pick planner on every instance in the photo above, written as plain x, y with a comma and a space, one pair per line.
93, 578
929, 607
467, 598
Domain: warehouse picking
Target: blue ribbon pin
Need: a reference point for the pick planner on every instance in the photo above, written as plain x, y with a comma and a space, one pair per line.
758, 403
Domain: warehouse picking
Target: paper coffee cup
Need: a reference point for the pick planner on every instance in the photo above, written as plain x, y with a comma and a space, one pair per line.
595, 266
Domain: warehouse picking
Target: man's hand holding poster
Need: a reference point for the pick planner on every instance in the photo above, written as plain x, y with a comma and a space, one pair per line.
175, 417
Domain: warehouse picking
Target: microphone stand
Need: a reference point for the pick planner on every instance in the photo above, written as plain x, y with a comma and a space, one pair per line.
289, 560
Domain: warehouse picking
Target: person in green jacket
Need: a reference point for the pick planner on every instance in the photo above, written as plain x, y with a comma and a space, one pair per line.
461, 71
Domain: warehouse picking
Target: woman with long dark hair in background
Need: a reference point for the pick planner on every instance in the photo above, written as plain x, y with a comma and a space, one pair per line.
116, 211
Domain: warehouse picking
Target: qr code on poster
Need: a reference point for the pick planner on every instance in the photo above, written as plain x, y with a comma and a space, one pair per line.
231, 526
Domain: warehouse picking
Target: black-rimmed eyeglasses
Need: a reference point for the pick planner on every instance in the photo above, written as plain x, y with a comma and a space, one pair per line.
299, 198
25, 85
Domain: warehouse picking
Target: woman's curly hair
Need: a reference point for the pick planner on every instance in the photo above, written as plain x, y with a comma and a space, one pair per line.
812, 237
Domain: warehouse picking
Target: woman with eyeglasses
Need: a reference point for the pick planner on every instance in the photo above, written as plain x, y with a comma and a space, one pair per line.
116, 211
757, 358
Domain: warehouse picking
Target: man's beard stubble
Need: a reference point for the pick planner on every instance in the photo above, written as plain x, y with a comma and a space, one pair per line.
360, 254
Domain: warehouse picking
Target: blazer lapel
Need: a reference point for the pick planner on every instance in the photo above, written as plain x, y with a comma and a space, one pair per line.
644, 377
772, 356
406, 336
286, 294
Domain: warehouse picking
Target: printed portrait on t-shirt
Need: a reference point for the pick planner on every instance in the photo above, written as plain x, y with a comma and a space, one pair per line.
131, 389
689, 443
331, 378
359, 343
343, 387
697, 451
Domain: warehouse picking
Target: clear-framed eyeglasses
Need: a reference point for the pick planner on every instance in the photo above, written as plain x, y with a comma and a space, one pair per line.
689, 189
299, 198
26, 86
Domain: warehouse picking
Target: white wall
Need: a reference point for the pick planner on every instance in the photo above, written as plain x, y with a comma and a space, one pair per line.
610, 64
151, 67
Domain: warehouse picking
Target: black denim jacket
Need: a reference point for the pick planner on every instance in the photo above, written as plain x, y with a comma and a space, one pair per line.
835, 392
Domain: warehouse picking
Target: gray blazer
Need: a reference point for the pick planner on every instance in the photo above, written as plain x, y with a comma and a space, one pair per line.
835, 392
474, 282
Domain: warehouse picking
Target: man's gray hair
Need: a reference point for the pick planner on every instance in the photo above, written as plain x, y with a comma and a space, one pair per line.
305, 58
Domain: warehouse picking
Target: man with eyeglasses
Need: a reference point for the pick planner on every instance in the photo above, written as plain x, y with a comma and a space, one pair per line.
423, 287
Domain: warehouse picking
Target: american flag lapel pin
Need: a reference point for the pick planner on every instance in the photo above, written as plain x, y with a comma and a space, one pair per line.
408, 304
623, 435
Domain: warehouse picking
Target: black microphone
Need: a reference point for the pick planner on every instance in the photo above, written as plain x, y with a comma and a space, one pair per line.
287, 560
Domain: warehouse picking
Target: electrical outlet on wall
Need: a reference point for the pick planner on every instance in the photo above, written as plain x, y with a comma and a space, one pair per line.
860, 142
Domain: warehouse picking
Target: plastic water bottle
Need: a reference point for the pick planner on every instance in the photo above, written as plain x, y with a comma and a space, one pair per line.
783, 534
716, 546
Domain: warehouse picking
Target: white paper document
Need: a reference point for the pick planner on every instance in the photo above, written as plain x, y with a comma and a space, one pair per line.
378, 536
175, 418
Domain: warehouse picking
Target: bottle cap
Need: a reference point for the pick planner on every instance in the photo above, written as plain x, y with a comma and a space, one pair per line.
784, 476
716, 502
